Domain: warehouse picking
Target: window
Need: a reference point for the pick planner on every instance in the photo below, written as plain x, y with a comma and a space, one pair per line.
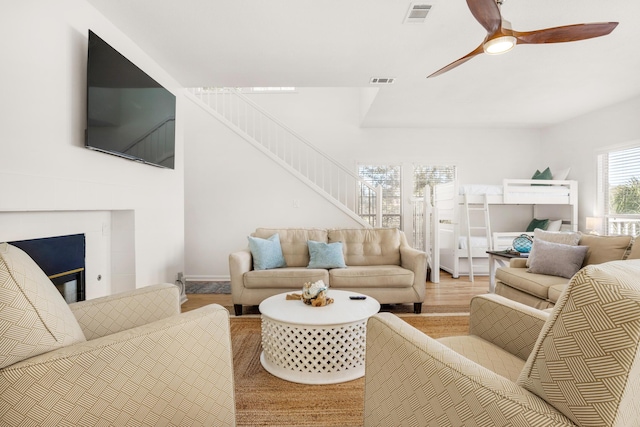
394, 184
619, 190
390, 178
424, 176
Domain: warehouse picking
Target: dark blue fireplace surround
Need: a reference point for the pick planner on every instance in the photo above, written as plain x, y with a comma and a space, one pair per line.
62, 260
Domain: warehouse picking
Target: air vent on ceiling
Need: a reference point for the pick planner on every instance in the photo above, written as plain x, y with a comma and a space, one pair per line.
382, 80
417, 13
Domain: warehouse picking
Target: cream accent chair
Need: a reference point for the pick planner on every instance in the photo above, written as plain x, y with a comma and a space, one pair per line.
127, 359
583, 369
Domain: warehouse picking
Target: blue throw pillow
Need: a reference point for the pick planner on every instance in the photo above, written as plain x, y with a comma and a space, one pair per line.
266, 253
325, 255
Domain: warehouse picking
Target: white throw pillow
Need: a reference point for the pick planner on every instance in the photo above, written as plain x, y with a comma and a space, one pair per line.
554, 225
562, 175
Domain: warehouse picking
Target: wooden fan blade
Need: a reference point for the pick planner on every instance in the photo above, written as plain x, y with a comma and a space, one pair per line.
487, 13
457, 62
567, 33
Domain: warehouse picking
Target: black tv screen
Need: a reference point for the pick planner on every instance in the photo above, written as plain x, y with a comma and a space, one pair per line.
129, 114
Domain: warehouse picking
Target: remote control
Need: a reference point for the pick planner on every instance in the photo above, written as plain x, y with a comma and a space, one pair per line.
357, 297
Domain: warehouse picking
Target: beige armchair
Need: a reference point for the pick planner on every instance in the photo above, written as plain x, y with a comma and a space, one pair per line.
126, 359
581, 367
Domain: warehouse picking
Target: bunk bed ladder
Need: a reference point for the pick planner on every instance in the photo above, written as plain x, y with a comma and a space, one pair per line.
485, 227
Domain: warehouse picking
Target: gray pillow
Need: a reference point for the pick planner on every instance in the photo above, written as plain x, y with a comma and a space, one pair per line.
556, 259
565, 237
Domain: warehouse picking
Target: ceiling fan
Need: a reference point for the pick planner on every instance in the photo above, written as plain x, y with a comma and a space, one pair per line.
501, 38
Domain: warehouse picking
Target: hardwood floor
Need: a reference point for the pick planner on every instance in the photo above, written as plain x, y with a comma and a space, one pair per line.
449, 292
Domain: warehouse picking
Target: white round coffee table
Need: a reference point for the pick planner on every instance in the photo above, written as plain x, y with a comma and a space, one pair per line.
315, 345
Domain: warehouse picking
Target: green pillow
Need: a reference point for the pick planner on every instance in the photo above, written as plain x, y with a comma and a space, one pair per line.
545, 174
538, 223
266, 253
325, 255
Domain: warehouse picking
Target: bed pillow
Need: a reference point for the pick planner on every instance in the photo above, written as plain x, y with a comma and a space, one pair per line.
562, 174
556, 259
266, 253
537, 223
545, 174
325, 255
554, 225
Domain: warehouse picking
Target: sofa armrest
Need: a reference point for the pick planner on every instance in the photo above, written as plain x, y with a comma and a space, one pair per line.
508, 324
176, 371
114, 313
518, 262
416, 261
411, 379
239, 263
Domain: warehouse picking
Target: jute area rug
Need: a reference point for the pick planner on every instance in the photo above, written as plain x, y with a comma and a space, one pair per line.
265, 400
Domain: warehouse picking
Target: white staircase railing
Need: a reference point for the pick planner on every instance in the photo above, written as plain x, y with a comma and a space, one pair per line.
340, 185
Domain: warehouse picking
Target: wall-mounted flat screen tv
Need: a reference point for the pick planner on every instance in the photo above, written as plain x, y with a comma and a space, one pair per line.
129, 114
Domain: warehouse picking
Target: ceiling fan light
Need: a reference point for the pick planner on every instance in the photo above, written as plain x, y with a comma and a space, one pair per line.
499, 45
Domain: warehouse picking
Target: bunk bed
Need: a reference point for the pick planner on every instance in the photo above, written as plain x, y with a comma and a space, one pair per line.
456, 242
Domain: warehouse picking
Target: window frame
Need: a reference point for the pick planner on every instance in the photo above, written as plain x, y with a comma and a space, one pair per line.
616, 223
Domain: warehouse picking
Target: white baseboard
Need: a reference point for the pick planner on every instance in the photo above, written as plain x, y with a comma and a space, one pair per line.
204, 278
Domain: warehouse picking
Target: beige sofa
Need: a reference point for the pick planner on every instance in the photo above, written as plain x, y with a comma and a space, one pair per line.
125, 359
542, 290
575, 366
379, 263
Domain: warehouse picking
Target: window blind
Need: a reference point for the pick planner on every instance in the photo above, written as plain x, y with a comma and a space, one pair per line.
619, 190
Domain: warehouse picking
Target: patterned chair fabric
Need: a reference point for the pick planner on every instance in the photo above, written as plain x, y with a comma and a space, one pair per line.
584, 368
153, 368
586, 361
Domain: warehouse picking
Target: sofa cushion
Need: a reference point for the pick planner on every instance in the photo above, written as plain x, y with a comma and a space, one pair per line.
284, 278
522, 297
555, 291
266, 253
325, 255
294, 242
634, 251
486, 354
556, 259
604, 248
368, 246
534, 284
34, 318
377, 276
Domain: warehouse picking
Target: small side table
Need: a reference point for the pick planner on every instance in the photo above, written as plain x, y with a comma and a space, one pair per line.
500, 257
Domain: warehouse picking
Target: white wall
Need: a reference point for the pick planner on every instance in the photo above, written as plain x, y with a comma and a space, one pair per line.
45, 168
231, 188
576, 143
